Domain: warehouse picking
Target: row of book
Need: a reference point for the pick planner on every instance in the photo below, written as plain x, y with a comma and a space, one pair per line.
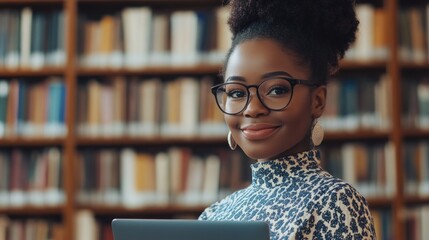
31, 178
148, 107
416, 166
32, 228
357, 103
120, 106
415, 107
417, 222
176, 176
32, 108
368, 167
31, 38
414, 34
140, 36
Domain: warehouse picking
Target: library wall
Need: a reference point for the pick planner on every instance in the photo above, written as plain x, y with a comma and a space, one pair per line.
107, 112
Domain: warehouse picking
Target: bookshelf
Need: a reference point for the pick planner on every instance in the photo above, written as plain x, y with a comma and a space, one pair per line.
74, 74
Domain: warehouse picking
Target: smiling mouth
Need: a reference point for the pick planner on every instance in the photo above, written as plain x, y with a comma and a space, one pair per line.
258, 132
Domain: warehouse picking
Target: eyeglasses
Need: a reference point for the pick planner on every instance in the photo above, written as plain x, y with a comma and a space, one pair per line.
274, 93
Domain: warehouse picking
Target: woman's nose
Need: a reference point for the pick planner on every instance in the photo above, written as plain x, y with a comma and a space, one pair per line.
255, 107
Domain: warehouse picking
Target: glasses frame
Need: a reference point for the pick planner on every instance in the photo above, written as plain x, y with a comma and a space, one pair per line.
292, 81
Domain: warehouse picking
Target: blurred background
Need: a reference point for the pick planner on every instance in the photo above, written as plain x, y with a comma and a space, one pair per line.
106, 112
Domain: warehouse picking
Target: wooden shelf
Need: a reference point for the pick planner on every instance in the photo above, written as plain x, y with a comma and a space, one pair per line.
31, 73
149, 210
42, 210
220, 140
414, 66
72, 144
31, 142
363, 134
416, 133
415, 200
379, 202
203, 69
30, 2
171, 4
358, 65
152, 141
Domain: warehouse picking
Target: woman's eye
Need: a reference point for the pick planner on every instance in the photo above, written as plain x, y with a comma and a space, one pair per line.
278, 91
236, 94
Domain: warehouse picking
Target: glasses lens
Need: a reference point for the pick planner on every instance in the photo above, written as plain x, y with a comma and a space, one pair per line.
275, 93
231, 97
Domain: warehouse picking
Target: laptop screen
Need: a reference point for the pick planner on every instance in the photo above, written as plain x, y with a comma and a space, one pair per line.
178, 229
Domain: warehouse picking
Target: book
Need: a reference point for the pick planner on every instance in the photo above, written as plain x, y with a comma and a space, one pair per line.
405, 42
106, 110
184, 27
38, 33
418, 41
4, 92
86, 225
211, 179
25, 51
423, 103
380, 41
189, 105
160, 50
137, 179
150, 105
5, 178
162, 178
13, 32
17, 188
4, 221
55, 122
137, 23
364, 45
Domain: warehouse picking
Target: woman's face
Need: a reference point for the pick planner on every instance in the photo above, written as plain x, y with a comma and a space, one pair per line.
261, 133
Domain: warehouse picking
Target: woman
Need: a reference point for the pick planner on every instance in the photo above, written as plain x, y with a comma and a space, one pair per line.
283, 52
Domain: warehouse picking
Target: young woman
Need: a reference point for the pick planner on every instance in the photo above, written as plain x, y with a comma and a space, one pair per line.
274, 90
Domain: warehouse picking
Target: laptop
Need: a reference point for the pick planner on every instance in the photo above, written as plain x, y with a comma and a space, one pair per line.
180, 229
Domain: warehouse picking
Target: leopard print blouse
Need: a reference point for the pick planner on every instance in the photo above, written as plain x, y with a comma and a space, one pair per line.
299, 200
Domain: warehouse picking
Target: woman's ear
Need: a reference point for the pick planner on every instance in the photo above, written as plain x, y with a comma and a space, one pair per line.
318, 101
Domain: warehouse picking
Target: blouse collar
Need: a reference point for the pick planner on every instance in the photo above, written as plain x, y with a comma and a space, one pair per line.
276, 172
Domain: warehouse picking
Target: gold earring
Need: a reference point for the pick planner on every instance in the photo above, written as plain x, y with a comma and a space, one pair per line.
317, 133
231, 142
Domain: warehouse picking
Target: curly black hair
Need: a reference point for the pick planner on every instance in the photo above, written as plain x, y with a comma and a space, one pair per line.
320, 31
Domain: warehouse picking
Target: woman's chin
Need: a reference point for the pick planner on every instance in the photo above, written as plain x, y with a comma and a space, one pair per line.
258, 155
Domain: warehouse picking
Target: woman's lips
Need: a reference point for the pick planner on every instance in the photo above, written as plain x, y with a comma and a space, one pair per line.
258, 131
